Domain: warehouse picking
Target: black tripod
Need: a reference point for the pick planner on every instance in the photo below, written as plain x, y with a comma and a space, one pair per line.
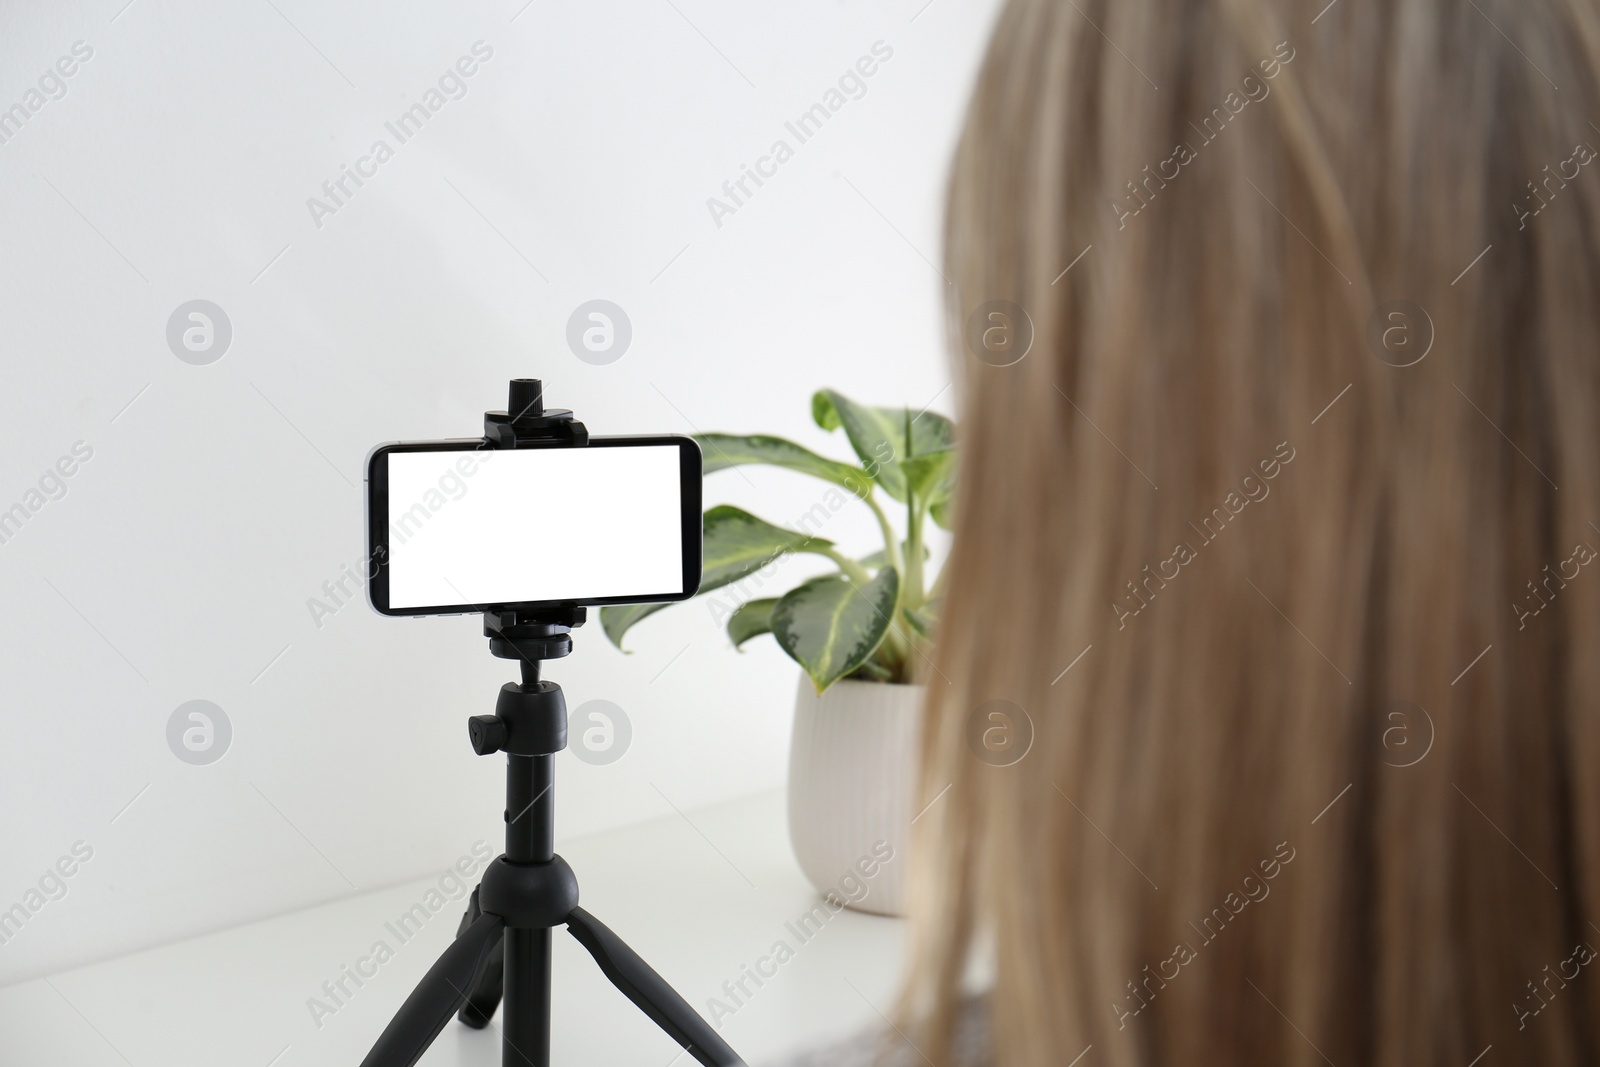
502, 950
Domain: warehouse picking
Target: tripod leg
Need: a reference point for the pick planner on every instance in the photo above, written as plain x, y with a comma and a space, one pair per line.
634, 977
525, 1023
436, 997
484, 996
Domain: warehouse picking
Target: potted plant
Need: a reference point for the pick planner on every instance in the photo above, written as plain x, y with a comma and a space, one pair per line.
861, 633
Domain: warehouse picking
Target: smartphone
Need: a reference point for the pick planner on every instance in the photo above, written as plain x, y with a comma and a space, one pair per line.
457, 526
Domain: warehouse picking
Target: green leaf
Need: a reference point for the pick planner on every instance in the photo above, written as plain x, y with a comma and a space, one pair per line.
931, 476
884, 438
878, 436
738, 544
720, 451
735, 544
751, 619
823, 411
830, 626
618, 619
931, 435
931, 432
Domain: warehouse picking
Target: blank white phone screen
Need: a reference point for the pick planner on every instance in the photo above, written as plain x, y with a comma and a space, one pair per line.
498, 527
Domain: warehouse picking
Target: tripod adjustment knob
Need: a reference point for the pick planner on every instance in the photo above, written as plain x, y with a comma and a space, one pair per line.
488, 733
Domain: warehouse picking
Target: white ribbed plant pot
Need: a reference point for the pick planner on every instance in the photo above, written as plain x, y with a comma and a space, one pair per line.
852, 778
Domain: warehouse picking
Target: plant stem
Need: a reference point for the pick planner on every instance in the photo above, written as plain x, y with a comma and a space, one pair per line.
937, 589
891, 543
916, 595
896, 646
852, 570
876, 671
895, 649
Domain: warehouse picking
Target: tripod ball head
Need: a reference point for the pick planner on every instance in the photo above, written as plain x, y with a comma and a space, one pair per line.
529, 720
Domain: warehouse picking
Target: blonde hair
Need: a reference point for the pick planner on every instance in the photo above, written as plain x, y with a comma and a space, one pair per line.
1319, 784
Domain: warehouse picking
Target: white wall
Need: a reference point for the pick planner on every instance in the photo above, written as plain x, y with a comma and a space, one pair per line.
179, 563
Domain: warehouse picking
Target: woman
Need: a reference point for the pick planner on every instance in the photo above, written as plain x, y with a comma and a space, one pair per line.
1267, 698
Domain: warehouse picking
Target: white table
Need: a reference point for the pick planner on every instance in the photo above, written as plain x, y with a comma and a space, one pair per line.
700, 897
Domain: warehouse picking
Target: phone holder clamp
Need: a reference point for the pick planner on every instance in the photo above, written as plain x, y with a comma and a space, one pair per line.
526, 421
